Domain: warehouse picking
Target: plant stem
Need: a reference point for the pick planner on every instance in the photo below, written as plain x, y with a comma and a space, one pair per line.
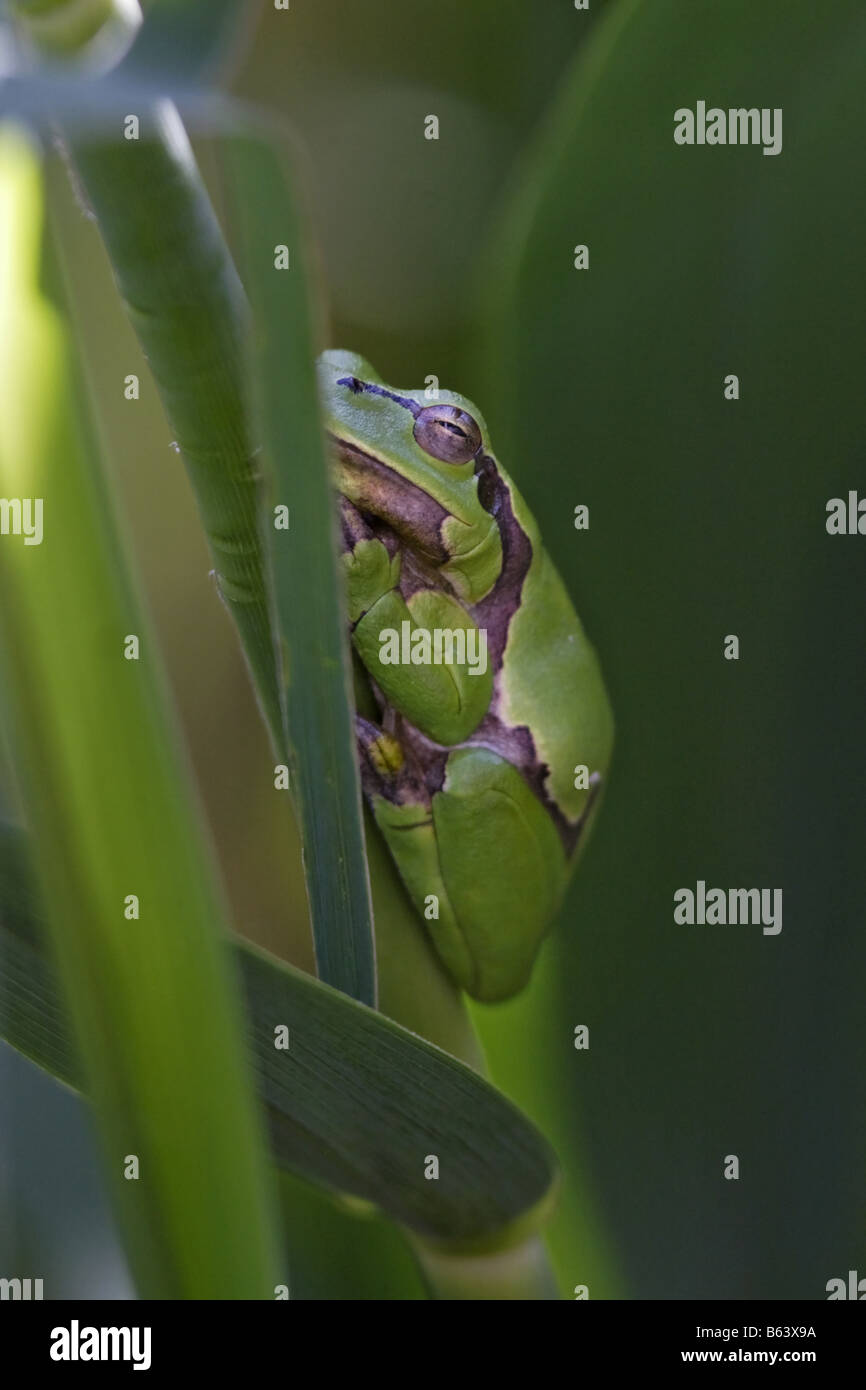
522, 1272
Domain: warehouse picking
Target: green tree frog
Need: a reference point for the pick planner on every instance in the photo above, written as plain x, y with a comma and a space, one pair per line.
489, 732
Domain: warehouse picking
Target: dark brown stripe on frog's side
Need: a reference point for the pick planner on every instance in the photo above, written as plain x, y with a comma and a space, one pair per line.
403, 786
354, 528
495, 612
515, 746
498, 608
385, 493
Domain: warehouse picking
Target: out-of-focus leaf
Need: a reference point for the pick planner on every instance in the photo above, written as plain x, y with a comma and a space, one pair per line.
606, 386
355, 1103
188, 40
132, 901
95, 31
100, 106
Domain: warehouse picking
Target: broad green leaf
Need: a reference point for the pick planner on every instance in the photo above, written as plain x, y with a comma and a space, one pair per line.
136, 917
355, 1103
606, 386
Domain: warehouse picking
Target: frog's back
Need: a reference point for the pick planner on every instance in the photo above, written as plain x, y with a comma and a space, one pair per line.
552, 678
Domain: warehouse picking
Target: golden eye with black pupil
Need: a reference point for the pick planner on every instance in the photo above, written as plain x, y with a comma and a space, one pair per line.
447, 433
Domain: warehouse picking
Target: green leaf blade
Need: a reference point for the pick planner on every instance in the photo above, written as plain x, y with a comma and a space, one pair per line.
307, 591
355, 1103
154, 1005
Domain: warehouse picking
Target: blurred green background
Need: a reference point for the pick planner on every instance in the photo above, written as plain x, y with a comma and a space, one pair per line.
605, 387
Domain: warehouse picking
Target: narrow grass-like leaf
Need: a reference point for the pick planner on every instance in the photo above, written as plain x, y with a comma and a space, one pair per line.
355, 1102
47, 97
188, 308
137, 921
307, 590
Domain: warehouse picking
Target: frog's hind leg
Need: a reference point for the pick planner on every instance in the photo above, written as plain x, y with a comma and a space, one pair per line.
401, 804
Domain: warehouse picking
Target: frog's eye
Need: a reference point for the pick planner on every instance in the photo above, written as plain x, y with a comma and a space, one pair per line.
447, 433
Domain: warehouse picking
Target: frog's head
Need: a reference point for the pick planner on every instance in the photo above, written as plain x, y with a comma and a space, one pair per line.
414, 463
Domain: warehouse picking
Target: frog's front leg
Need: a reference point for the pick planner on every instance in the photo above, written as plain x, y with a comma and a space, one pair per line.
410, 647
